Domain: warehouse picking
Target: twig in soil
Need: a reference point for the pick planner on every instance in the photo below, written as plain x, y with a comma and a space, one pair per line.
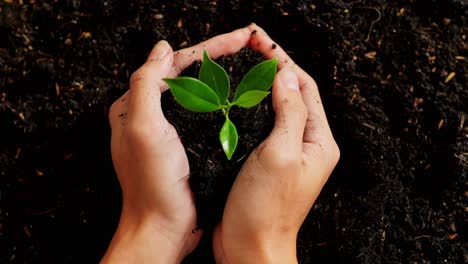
241, 158
450, 77
440, 124
373, 22
462, 157
27, 231
422, 236
18, 152
193, 152
45, 211
368, 125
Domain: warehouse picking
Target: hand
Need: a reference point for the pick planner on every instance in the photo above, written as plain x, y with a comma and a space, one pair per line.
158, 219
282, 178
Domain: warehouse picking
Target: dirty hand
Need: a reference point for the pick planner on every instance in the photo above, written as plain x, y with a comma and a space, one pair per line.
158, 219
282, 178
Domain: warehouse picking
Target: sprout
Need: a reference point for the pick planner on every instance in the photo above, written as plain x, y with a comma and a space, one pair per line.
210, 92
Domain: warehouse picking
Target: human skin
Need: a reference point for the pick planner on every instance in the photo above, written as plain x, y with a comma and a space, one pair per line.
158, 218
272, 194
281, 179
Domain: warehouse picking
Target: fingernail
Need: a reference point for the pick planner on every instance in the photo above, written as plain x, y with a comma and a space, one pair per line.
160, 50
289, 79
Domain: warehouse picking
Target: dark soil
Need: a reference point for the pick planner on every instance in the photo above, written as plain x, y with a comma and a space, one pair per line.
398, 195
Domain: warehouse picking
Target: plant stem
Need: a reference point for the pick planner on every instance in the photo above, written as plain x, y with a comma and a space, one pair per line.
225, 108
229, 105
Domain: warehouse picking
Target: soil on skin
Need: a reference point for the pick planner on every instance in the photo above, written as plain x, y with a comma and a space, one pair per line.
392, 75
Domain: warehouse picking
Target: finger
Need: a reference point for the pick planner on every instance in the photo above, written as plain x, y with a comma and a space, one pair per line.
291, 112
316, 125
144, 105
260, 41
225, 44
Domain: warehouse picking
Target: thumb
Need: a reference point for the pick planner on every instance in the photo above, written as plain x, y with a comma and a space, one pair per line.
291, 112
145, 84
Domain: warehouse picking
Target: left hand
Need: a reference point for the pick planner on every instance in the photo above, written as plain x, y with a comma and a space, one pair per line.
158, 220
282, 177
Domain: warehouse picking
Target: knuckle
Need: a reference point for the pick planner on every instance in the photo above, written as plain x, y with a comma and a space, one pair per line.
138, 75
113, 109
334, 153
139, 134
296, 107
149, 136
310, 127
277, 160
309, 82
169, 131
331, 152
113, 112
325, 151
302, 111
287, 161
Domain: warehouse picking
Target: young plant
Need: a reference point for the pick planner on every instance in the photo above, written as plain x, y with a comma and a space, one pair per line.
210, 92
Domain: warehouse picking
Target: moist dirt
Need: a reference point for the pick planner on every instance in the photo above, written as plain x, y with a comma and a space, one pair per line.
392, 76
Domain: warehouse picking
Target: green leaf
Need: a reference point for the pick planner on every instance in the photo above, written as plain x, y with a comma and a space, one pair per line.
215, 77
193, 94
259, 78
228, 137
250, 98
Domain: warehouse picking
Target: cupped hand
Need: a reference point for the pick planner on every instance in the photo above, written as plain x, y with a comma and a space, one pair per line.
158, 219
282, 178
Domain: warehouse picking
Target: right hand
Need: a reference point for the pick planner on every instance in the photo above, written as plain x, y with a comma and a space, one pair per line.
282, 178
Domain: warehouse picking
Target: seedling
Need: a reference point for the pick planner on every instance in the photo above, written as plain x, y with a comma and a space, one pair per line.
210, 93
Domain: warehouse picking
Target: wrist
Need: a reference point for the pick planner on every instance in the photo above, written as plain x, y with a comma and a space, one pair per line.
143, 240
270, 252
259, 248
